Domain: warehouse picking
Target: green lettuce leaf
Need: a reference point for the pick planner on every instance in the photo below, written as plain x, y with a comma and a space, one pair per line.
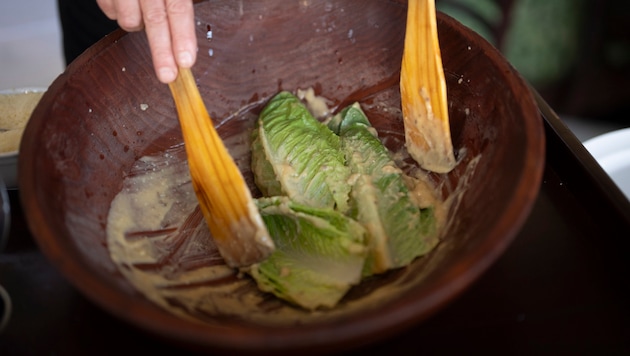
319, 256
398, 230
301, 153
336, 205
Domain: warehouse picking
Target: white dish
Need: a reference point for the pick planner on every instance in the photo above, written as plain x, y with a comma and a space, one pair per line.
612, 152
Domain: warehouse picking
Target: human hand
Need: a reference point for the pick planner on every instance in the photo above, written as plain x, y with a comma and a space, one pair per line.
170, 29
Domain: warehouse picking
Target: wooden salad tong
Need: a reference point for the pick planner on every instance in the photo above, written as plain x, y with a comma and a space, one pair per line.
423, 91
224, 198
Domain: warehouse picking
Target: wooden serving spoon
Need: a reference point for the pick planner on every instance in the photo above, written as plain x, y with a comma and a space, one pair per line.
224, 198
423, 91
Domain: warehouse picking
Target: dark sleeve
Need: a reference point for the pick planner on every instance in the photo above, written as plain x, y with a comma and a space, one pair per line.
82, 24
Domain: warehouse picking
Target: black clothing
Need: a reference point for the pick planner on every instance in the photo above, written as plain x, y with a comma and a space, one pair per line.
82, 24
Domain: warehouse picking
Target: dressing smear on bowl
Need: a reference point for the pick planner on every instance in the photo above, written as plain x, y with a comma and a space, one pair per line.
158, 239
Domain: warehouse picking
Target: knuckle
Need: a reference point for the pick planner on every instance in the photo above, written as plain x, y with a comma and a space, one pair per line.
178, 7
155, 16
129, 24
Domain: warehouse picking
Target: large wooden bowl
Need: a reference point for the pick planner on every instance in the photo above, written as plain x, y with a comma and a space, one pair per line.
107, 110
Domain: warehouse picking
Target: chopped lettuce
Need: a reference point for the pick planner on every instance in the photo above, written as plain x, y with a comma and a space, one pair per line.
398, 230
319, 256
301, 153
336, 205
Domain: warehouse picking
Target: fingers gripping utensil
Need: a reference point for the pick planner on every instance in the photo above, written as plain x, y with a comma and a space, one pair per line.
423, 91
224, 197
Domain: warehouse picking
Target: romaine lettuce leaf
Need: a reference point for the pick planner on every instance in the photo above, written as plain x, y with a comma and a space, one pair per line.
398, 231
303, 154
319, 256
336, 205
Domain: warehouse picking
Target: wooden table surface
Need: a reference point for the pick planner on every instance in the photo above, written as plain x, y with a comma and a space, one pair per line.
560, 288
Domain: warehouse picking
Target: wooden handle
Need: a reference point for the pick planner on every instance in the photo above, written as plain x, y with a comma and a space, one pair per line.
423, 91
224, 197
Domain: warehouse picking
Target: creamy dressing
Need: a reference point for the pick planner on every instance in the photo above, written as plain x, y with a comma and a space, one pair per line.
159, 241
427, 137
317, 105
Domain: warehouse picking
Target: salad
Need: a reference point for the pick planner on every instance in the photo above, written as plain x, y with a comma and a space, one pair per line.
334, 201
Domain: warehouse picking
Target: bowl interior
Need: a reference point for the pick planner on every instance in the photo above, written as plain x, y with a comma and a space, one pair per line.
98, 120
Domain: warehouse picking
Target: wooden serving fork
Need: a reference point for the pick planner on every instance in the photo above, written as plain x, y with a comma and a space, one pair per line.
423, 91
224, 198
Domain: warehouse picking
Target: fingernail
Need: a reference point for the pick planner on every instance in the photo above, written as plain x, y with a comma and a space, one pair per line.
166, 75
184, 59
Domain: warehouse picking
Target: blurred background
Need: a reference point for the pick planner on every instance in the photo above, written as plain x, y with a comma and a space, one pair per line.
575, 52
30, 43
